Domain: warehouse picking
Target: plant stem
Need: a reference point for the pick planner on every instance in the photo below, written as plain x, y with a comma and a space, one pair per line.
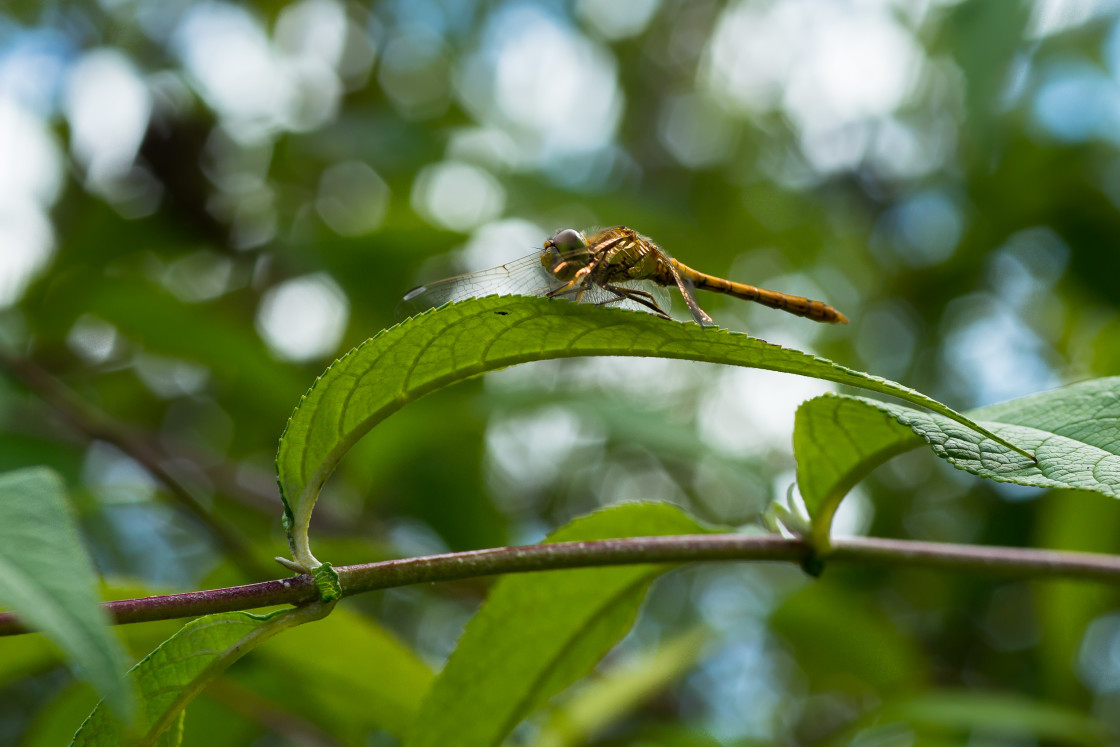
355, 579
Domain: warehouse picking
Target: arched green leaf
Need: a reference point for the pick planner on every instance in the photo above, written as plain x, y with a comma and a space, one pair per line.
47, 577
461, 340
1072, 432
167, 679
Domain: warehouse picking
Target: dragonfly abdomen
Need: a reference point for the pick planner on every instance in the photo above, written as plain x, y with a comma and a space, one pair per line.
797, 305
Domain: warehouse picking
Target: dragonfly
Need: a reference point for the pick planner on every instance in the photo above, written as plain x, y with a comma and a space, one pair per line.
614, 267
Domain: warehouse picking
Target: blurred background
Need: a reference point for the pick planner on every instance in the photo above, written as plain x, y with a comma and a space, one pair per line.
204, 203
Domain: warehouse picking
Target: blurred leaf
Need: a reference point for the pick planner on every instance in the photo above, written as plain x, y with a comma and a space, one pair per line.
838, 439
622, 690
352, 671
171, 676
56, 722
24, 655
985, 39
229, 715
47, 577
173, 735
538, 633
844, 642
676, 735
438, 348
1071, 520
996, 714
390, 468
214, 722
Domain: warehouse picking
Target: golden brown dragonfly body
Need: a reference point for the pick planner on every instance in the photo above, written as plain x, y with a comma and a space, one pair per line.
616, 266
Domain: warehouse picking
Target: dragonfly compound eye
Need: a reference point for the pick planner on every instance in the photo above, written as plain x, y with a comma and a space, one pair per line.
567, 240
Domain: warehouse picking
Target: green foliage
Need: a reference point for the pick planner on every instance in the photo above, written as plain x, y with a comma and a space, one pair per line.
847, 644
621, 691
569, 619
311, 670
951, 715
468, 338
46, 576
537, 634
945, 174
1071, 520
168, 678
1072, 432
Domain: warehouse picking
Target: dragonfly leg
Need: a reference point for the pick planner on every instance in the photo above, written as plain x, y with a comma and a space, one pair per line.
645, 298
569, 289
561, 269
576, 286
684, 284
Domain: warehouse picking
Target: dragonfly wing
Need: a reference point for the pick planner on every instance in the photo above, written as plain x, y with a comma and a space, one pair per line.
528, 277
521, 277
658, 294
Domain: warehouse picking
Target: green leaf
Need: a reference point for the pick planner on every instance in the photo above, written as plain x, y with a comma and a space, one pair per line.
621, 691
171, 676
837, 442
327, 668
455, 342
48, 579
839, 439
996, 714
21, 656
1085, 522
538, 633
844, 641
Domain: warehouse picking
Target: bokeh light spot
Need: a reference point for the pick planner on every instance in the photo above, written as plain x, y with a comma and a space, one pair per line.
105, 138
1077, 103
617, 19
26, 247
304, 318
415, 74
925, 229
553, 88
32, 165
457, 196
695, 130
94, 340
497, 243
353, 199
826, 65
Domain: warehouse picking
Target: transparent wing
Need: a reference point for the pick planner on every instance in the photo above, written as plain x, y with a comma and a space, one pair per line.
657, 294
525, 277
521, 277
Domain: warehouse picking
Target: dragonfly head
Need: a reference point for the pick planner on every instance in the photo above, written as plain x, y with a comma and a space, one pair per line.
561, 255
567, 240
